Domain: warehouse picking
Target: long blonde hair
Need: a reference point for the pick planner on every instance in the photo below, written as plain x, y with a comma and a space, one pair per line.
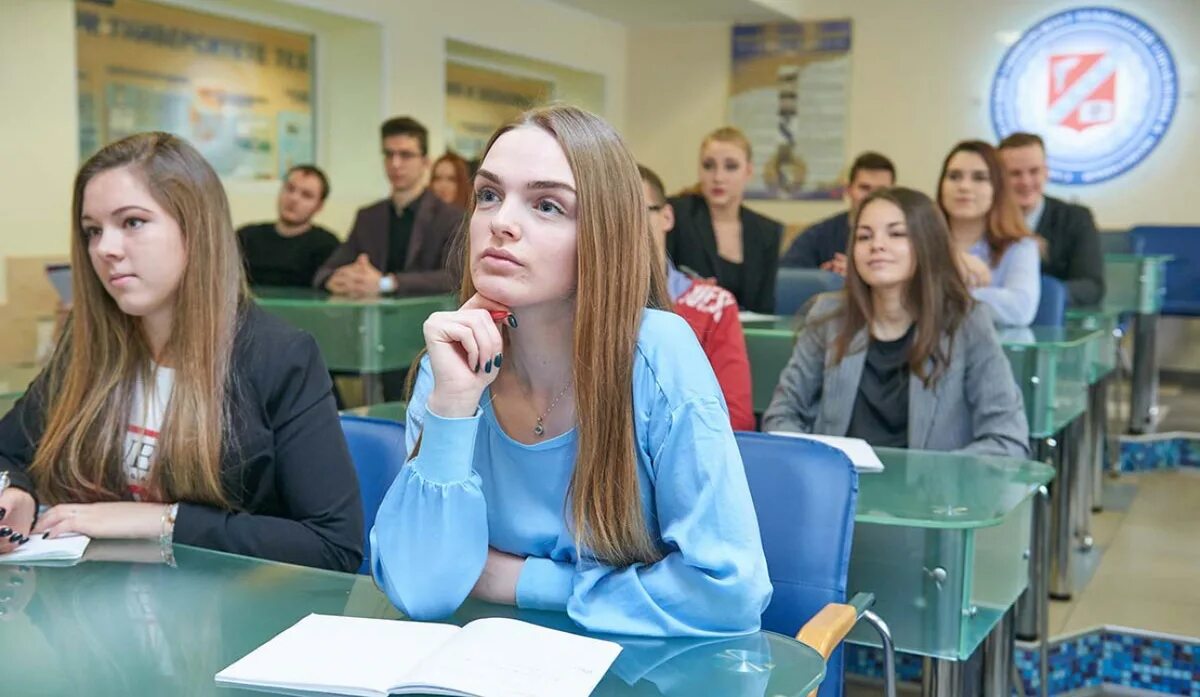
620, 273
91, 376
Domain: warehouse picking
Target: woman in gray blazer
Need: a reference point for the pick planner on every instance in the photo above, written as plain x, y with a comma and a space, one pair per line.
903, 357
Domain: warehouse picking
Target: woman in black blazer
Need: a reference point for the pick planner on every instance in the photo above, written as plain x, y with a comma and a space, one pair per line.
173, 408
716, 237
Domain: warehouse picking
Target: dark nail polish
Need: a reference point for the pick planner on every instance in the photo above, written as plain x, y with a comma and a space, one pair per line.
487, 367
46, 535
512, 321
16, 536
476, 366
23, 541
5, 532
499, 357
3, 512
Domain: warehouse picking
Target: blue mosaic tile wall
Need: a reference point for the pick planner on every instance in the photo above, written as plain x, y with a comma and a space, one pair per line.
1165, 666
1140, 455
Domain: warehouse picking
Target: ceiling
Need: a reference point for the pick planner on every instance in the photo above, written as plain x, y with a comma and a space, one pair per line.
664, 12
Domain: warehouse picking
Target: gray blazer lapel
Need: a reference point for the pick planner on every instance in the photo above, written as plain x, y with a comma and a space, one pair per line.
923, 403
841, 387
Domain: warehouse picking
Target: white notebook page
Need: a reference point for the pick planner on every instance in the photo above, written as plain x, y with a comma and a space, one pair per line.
350, 655
509, 658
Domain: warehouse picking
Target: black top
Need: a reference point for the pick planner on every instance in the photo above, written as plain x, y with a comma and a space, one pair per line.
880, 414
819, 243
400, 232
274, 260
1073, 251
693, 244
289, 478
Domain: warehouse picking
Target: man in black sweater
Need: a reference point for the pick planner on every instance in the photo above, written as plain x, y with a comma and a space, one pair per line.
1072, 252
823, 245
289, 251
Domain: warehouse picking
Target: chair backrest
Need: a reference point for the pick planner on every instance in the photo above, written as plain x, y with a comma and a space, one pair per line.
1182, 295
804, 495
1052, 307
794, 287
378, 450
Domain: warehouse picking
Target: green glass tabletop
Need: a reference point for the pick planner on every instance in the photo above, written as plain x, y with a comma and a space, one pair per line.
941, 539
1052, 366
371, 335
919, 488
1135, 282
121, 624
1103, 356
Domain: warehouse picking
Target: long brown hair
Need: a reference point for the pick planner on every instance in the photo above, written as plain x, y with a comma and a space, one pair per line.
461, 179
936, 296
91, 376
613, 233
1005, 226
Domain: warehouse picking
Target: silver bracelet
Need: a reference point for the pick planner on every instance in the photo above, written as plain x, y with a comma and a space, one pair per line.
166, 535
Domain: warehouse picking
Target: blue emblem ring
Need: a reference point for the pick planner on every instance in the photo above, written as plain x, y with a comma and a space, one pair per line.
1101, 161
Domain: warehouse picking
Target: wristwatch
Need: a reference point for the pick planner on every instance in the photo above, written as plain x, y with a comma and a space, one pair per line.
387, 283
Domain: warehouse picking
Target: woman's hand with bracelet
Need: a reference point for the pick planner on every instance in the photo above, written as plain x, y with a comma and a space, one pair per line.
110, 520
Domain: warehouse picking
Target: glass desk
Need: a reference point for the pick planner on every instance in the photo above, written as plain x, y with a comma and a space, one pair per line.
942, 540
1051, 366
1136, 283
141, 628
369, 336
14, 378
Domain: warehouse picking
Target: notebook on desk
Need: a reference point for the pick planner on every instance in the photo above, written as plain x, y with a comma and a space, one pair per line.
60, 550
369, 657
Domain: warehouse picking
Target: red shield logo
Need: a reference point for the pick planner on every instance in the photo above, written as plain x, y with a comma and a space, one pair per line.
1083, 90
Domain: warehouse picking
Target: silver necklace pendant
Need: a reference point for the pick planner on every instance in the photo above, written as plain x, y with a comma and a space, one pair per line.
538, 429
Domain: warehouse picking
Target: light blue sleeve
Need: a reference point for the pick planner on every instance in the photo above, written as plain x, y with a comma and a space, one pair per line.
1016, 286
430, 538
713, 580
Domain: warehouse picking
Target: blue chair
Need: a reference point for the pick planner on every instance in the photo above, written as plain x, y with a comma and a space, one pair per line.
804, 494
794, 287
1052, 307
378, 451
1183, 273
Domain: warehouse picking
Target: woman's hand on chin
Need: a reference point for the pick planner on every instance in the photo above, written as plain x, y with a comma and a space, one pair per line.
465, 352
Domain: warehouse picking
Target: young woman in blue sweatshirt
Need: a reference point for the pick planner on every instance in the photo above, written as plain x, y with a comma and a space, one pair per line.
576, 454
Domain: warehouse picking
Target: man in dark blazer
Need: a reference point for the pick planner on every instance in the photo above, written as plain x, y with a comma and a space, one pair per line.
398, 246
1072, 252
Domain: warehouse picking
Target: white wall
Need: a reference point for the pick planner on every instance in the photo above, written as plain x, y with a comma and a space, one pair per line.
921, 72
391, 61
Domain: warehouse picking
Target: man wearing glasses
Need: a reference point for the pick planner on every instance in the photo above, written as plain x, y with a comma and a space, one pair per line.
398, 246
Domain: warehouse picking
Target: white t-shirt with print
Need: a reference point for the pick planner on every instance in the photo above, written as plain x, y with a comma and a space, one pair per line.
145, 422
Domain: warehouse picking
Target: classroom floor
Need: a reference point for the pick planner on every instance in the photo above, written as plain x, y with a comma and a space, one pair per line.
1143, 571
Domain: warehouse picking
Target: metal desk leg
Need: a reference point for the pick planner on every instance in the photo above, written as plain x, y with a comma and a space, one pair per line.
1062, 491
1083, 456
372, 385
1032, 606
1098, 413
998, 653
941, 678
1143, 407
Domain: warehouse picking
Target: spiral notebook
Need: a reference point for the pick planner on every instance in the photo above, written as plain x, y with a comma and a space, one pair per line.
369, 657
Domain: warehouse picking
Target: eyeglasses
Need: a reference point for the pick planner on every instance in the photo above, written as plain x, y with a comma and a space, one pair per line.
404, 155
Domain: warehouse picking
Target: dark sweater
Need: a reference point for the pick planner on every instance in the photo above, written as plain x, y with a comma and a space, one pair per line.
1073, 254
819, 243
274, 260
290, 479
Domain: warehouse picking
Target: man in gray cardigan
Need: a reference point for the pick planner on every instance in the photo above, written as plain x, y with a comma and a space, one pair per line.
975, 406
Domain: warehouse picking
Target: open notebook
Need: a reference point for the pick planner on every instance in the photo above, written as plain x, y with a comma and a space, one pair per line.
860, 452
368, 657
60, 549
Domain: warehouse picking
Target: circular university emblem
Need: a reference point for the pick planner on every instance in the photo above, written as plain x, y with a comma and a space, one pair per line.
1098, 85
